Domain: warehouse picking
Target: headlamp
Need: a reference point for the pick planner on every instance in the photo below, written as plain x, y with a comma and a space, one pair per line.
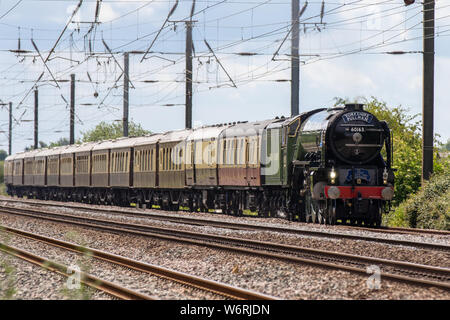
333, 175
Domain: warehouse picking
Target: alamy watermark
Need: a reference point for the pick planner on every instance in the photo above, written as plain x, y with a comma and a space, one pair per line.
374, 280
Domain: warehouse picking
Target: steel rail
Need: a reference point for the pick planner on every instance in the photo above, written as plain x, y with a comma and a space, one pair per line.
254, 248
249, 226
161, 272
108, 287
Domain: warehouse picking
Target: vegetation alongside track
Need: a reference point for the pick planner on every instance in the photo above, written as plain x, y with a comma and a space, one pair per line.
429, 208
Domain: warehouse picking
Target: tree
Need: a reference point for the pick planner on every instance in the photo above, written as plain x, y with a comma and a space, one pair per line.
42, 144
104, 131
446, 146
3, 154
60, 142
406, 130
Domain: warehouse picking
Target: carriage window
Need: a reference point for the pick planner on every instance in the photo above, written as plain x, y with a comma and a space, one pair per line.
167, 159
143, 160
144, 165
192, 153
224, 143
164, 159
240, 148
238, 152
175, 158
113, 161
232, 152
213, 152
229, 151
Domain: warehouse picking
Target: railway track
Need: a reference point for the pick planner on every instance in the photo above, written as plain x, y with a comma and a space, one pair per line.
412, 273
258, 227
187, 280
108, 287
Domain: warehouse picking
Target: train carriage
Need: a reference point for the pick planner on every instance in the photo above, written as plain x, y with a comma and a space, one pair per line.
145, 165
240, 147
83, 164
53, 166
100, 165
28, 168
67, 166
171, 166
18, 169
9, 169
202, 156
40, 167
122, 161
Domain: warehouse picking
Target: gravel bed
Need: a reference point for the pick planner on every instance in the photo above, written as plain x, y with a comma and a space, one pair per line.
30, 282
357, 247
272, 277
135, 280
275, 222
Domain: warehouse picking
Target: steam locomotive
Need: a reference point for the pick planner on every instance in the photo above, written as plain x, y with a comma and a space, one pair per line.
322, 166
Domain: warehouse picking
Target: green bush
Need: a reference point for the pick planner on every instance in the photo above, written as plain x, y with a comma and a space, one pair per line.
429, 208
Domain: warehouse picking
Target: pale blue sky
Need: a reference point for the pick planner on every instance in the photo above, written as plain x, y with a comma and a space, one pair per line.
345, 57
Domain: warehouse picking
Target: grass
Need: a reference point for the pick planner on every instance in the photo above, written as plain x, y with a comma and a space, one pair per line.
7, 284
3, 189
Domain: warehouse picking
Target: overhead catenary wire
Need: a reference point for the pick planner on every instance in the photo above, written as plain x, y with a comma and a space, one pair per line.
223, 49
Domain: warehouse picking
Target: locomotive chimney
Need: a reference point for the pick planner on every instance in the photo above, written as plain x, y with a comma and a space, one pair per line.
354, 106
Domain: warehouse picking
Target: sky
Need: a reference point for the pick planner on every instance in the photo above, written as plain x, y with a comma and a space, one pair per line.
344, 53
